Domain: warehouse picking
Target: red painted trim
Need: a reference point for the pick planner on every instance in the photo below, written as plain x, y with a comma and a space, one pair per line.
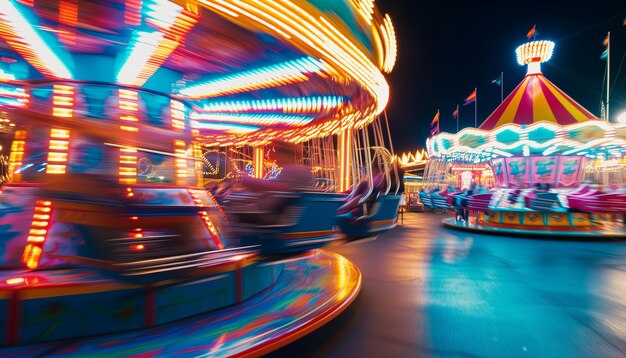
239, 284
22, 185
150, 305
13, 318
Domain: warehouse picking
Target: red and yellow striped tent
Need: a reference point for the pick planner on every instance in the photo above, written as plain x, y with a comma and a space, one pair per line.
537, 99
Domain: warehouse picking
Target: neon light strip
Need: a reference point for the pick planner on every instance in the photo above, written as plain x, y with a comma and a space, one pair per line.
286, 105
68, 16
58, 148
142, 47
148, 50
197, 154
38, 233
24, 39
17, 151
228, 127
13, 96
177, 113
128, 108
162, 13
180, 148
315, 34
264, 77
568, 146
253, 119
6, 76
365, 8
63, 101
391, 47
132, 12
207, 221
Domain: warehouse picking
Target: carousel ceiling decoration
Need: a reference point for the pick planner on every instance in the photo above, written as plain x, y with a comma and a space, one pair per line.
288, 70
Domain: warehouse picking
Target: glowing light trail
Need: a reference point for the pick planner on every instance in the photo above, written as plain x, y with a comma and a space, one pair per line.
25, 40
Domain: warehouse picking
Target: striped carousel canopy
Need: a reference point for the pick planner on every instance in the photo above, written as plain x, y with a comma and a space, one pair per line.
536, 98
536, 119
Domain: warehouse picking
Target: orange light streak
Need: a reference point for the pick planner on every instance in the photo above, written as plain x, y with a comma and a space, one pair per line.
58, 151
37, 236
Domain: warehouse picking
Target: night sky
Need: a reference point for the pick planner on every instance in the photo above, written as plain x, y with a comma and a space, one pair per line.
447, 49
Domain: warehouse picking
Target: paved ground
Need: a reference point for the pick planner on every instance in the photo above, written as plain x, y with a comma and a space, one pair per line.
429, 291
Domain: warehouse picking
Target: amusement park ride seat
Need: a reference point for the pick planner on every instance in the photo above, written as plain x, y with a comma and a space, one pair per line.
381, 216
291, 222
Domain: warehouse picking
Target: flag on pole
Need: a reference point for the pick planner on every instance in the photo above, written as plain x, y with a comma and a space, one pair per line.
455, 114
532, 32
471, 98
497, 81
605, 43
434, 124
605, 54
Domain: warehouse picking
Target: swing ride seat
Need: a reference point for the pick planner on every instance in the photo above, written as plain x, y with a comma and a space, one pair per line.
425, 199
382, 217
440, 200
304, 221
451, 198
595, 201
542, 201
479, 202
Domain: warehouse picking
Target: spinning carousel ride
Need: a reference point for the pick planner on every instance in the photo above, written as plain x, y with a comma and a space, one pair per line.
558, 170
105, 222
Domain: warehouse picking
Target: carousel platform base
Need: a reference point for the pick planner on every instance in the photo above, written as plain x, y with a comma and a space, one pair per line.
308, 293
568, 233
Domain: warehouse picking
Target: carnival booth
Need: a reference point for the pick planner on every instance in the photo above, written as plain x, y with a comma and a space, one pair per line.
541, 147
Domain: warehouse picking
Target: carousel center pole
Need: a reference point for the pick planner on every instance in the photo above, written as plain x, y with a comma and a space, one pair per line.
344, 140
257, 161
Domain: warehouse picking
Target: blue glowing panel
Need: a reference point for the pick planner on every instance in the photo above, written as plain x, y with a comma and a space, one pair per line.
287, 105
253, 119
264, 77
20, 33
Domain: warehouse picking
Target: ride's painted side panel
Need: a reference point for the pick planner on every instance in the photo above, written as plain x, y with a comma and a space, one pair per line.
534, 219
59, 304
581, 219
318, 212
56, 317
558, 219
190, 297
308, 294
256, 278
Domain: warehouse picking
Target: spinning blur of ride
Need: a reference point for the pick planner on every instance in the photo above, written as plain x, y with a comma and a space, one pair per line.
298, 209
554, 167
113, 110
115, 116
